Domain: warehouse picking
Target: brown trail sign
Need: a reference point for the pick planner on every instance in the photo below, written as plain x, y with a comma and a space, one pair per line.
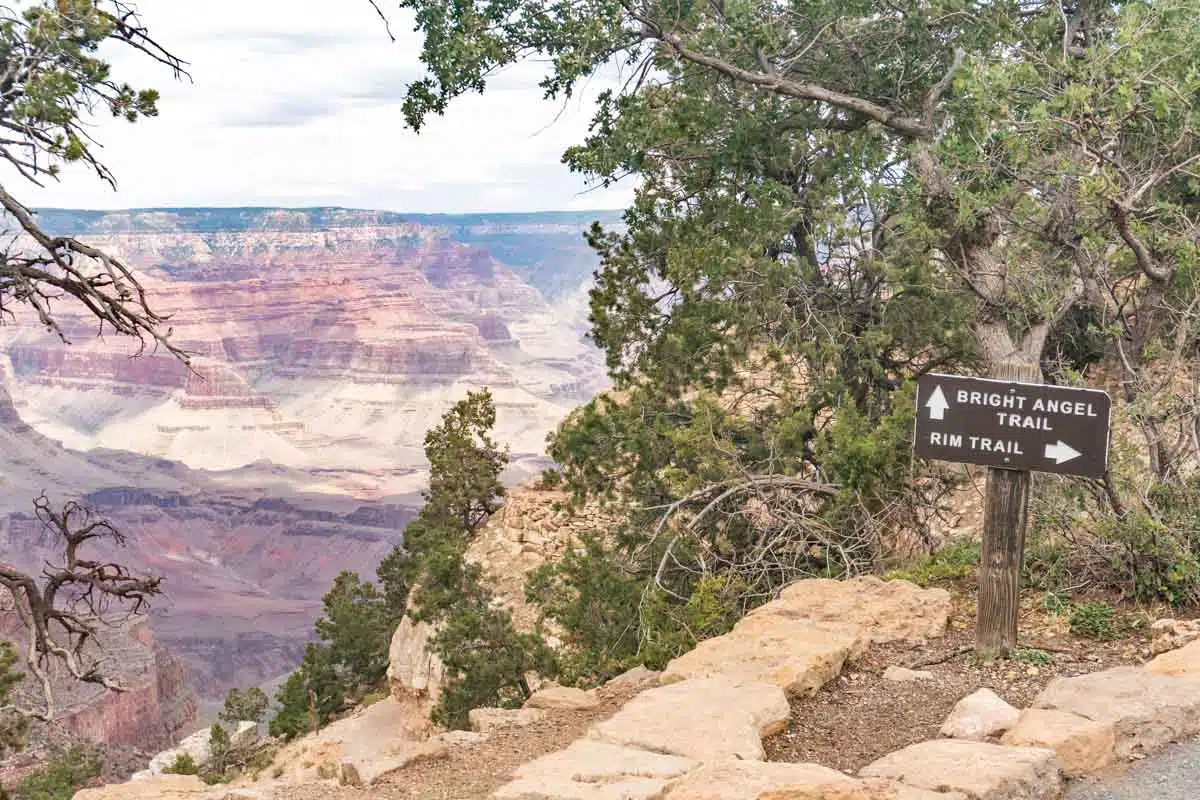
1014, 427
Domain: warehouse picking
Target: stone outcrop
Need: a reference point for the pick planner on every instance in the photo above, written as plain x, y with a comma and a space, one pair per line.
1169, 634
198, 748
884, 611
594, 770
1181, 663
157, 703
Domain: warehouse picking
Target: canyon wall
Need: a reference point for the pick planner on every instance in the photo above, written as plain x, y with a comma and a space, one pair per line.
327, 341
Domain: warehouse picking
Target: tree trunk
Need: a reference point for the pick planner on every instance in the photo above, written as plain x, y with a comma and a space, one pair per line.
1006, 513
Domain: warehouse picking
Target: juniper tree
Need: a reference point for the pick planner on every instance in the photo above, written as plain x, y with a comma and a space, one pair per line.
832, 198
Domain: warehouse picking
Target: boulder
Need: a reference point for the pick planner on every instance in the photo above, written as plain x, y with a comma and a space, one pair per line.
747, 780
1181, 663
1083, 745
704, 718
980, 770
886, 611
594, 770
486, 720
562, 697
980, 716
799, 656
412, 669
904, 675
1146, 710
1171, 634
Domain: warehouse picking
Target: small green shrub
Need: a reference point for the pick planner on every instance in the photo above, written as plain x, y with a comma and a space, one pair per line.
66, 772
183, 764
371, 698
1094, 621
1026, 655
954, 562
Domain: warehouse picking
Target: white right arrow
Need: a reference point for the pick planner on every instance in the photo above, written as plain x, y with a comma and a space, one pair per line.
937, 404
1061, 452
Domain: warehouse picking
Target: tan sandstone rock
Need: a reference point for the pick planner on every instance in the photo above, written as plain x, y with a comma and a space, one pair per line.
1146, 710
979, 716
594, 770
1181, 663
412, 669
704, 718
887, 611
562, 697
1083, 745
746, 780
799, 656
904, 675
157, 787
870, 789
1171, 634
980, 770
486, 720
633, 679
362, 770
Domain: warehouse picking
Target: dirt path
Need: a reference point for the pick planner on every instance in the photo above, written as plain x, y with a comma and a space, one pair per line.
472, 772
859, 717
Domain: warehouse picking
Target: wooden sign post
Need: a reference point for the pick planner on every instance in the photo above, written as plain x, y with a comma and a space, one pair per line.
1014, 425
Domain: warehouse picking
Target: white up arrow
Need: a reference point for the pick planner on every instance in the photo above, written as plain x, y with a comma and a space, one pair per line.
937, 404
1061, 452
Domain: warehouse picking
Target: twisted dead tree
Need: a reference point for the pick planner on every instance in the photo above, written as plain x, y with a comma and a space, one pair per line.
64, 607
52, 82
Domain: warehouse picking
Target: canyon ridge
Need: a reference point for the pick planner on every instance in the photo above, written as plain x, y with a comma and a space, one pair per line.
325, 341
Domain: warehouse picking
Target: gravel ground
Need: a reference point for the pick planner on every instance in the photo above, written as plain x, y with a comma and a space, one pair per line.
1172, 774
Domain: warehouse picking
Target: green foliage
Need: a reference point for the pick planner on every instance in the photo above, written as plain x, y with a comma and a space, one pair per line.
612, 622
310, 696
13, 726
183, 764
1094, 621
357, 629
954, 562
220, 751
65, 772
1026, 655
244, 704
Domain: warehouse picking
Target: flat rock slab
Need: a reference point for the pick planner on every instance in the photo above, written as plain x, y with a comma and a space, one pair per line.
870, 789
799, 656
887, 611
707, 719
157, 787
1083, 745
980, 770
367, 771
563, 697
1181, 663
1146, 710
594, 770
746, 780
486, 720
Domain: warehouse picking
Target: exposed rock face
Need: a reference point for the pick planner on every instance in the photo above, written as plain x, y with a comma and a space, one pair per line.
979, 770
325, 339
157, 705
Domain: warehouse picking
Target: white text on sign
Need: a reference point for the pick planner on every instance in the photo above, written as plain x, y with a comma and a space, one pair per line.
1074, 408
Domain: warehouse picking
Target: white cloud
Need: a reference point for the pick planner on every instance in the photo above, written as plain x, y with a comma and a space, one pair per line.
298, 102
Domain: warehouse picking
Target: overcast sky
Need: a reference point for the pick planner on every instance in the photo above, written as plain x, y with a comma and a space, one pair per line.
298, 103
